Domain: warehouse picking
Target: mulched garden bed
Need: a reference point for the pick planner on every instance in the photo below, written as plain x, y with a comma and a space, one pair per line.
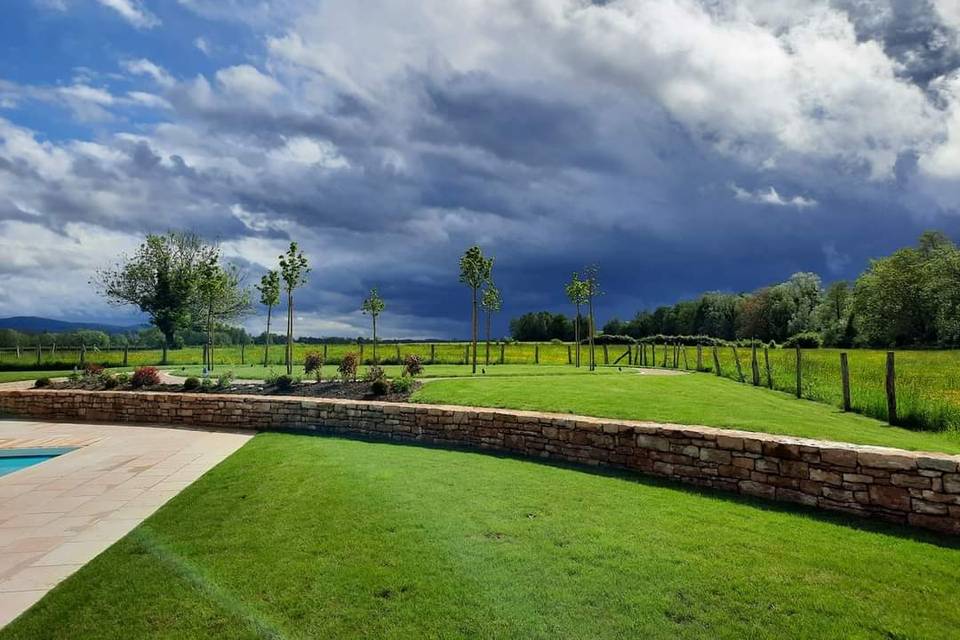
332, 389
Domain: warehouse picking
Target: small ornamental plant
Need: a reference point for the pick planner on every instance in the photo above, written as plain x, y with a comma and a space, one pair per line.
374, 373
348, 367
285, 383
412, 365
380, 387
191, 384
145, 377
41, 382
224, 379
313, 365
92, 369
402, 385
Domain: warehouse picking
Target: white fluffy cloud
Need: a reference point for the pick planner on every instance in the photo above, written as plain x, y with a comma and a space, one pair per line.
772, 197
133, 12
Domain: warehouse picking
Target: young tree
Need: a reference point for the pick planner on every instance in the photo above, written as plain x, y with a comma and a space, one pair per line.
475, 272
373, 306
269, 289
591, 279
577, 294
293, 271
491, 303
160, 279
220, 298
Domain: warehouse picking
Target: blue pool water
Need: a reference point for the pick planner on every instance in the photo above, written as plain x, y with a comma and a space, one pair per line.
15, 459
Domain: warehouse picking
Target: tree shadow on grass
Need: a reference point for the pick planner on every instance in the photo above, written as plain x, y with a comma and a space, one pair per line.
865, 524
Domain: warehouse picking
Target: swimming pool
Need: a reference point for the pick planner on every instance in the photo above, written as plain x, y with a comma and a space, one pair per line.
15, 459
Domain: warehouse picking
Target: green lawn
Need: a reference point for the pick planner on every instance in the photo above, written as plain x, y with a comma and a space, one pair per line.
312, 537
257, 372
688, 399
16, 376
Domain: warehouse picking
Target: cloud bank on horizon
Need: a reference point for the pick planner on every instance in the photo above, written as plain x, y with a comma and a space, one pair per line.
685, 145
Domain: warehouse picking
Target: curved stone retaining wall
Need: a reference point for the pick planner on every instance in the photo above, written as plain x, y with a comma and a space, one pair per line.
920, 489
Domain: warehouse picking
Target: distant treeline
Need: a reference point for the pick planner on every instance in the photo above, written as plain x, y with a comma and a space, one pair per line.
910, 298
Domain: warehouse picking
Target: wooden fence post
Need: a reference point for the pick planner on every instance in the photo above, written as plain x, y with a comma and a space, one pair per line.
360, 344
324, 351
891, 390
766, 363
699, 357
755, 366
400, 361
799, 373
536, 354
38, 351
629, 354
716, 362
243, 351
736, 359
683, 350
569, 355
126, 354
845, 380
466, 354
664, 354
606, 356
502, 349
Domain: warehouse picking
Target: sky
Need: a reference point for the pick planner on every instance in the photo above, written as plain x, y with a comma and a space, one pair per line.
682, 145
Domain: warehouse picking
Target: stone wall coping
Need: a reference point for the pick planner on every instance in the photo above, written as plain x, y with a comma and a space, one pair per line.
612, 425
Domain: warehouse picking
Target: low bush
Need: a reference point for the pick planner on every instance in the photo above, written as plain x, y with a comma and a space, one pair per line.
123, 378
313, 365
284, 383
606, 338
39, 383
412, 366
74, 377
808, 340
403, 384
145, 377
379, 387
108, 380
191, 384
206, 384
348, 367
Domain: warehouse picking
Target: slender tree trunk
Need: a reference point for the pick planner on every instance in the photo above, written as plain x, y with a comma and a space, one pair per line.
375, 339
209, 339
289, 354
576, 334
473, 338
266, 346
593, 361
489, 316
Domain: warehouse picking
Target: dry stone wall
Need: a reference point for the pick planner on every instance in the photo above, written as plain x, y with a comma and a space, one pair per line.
919, 489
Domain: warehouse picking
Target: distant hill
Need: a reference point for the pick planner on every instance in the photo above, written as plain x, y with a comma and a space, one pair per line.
33, 324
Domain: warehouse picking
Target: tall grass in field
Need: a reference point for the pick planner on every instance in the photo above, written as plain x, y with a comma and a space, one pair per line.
927, 382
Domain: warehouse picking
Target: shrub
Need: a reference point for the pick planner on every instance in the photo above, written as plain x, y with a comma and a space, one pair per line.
808, 340
145, 377
313, 364
224, 379
402, 385
412, 365
379, 387
206, 384
191, 384
123, 378
284, 383
374, 373
556, 341
348, 366
606, 338
108, 380
39, 383
73, 377
271, 378
92, 369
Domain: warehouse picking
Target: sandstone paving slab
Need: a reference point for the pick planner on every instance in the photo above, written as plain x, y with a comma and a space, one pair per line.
58, 515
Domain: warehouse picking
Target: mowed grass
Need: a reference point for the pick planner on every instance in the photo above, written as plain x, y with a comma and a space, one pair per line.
16, 376
312, 537
699, 398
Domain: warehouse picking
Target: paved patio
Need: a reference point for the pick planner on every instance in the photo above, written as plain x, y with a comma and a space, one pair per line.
60, 514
